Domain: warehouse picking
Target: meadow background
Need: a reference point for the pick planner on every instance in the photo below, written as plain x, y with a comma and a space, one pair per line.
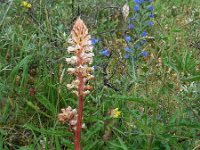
158, 93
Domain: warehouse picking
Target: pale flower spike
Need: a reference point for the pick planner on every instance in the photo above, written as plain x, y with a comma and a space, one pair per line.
82, 49
125, 11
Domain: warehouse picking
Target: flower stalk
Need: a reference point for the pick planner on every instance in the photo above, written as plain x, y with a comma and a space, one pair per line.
82, 50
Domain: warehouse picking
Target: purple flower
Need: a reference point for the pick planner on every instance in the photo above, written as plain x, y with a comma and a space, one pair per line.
150, 0
144, 53
126, 56
105, 52
128, 49
144, 33
151, 15
132, 19
137, 46
151, 8
94, 41
136, 8
143, 42
138, 1
150, 23
95, 67
134, 58
127, 38
130, 26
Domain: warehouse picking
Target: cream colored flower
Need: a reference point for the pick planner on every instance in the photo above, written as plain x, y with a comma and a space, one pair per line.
125, 11
71, 70
72, 60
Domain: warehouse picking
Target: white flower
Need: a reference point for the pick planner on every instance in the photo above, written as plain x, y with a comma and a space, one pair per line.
75, 92
86, 40
71, 70
88, 55
70, 86
72, 60
86, 92
90, 77
88, 48
73, 49
125, 11
70, 41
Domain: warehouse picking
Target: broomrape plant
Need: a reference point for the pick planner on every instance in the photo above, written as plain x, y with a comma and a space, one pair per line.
82, 49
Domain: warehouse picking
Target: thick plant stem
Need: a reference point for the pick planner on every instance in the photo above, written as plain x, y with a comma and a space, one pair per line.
77, 145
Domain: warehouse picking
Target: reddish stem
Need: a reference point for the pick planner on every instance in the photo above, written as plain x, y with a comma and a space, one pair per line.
77, 139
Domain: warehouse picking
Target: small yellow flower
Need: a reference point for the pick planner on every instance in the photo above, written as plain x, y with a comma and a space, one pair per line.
26, 4
115, 113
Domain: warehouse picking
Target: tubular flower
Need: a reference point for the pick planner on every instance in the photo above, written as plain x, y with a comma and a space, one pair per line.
69, 116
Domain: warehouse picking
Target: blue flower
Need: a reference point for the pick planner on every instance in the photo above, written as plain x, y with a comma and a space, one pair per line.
132, 19
143, 42
105, 52
144, 33
151, 15
95, 67
128, 49
130, 26
151, 8
136, 8
127, 38
150, 23
144, 53
137, 46
134, 58
126, 56
138, 1
150, 0
94, 41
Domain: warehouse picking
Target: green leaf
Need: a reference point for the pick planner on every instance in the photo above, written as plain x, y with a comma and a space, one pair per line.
91, 145
123, 146
147, 102
49, 131
37, 109
47, 103
93, 131
192, 78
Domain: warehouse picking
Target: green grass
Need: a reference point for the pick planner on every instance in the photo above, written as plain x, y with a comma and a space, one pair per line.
160, 109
